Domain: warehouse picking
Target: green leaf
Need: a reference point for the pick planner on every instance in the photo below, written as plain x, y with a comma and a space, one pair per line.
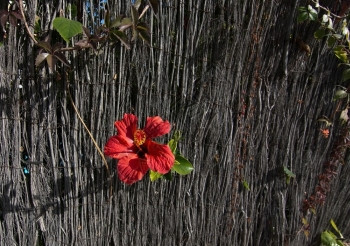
245, 184
340, 94
336, 228
346, 75
288, 172
172, 145
341, 54
116, 22
154, 175
302, 9
302, 16
125, 23
329, 239
173, 142
320, 33
312, 13
168, 176
67, 28
331, 41
182, 166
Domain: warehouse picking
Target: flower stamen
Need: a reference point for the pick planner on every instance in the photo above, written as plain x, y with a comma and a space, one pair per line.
139, 137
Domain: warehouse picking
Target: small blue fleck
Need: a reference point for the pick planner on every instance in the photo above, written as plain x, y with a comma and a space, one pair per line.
25, 170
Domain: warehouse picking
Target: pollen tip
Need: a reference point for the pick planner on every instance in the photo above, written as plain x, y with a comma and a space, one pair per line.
139, 137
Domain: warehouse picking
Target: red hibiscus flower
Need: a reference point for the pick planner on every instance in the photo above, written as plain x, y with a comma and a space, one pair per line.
136, 151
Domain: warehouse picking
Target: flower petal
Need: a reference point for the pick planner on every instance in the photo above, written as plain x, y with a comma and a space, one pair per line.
127, 126
155, 127
159, 157
118, 147
131, 169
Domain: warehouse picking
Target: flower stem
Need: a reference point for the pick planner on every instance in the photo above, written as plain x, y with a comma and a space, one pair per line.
88, 131
25, 22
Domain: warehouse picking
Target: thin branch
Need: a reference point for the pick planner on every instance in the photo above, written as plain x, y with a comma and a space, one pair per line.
88, 131
326, 9
25, 22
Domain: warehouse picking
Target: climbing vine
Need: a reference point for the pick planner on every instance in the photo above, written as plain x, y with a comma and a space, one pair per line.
334, 30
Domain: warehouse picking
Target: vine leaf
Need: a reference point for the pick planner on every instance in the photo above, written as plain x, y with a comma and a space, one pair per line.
320, 33
91, 41
346, 75
143, 32
173, 142
154, 175
125, 23
308, 13
182, 166
121, 36
336, 228
340, 94
51, 55
289, 174
341, 54
246, 185
67, 28
40, 58
13, 16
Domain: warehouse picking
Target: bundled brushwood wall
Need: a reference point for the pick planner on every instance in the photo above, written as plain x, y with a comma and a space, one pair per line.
233, 76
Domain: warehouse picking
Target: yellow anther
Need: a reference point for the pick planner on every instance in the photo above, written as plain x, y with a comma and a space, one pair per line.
139, 137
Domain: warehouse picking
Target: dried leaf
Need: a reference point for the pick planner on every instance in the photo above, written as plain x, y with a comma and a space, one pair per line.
83, 44
126, 23
51, 61
62, 58
3, 19
144, 34
86, 31
116, 22
40, 58
17, 15
344, 115
45, 45
122, 38
13, 20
